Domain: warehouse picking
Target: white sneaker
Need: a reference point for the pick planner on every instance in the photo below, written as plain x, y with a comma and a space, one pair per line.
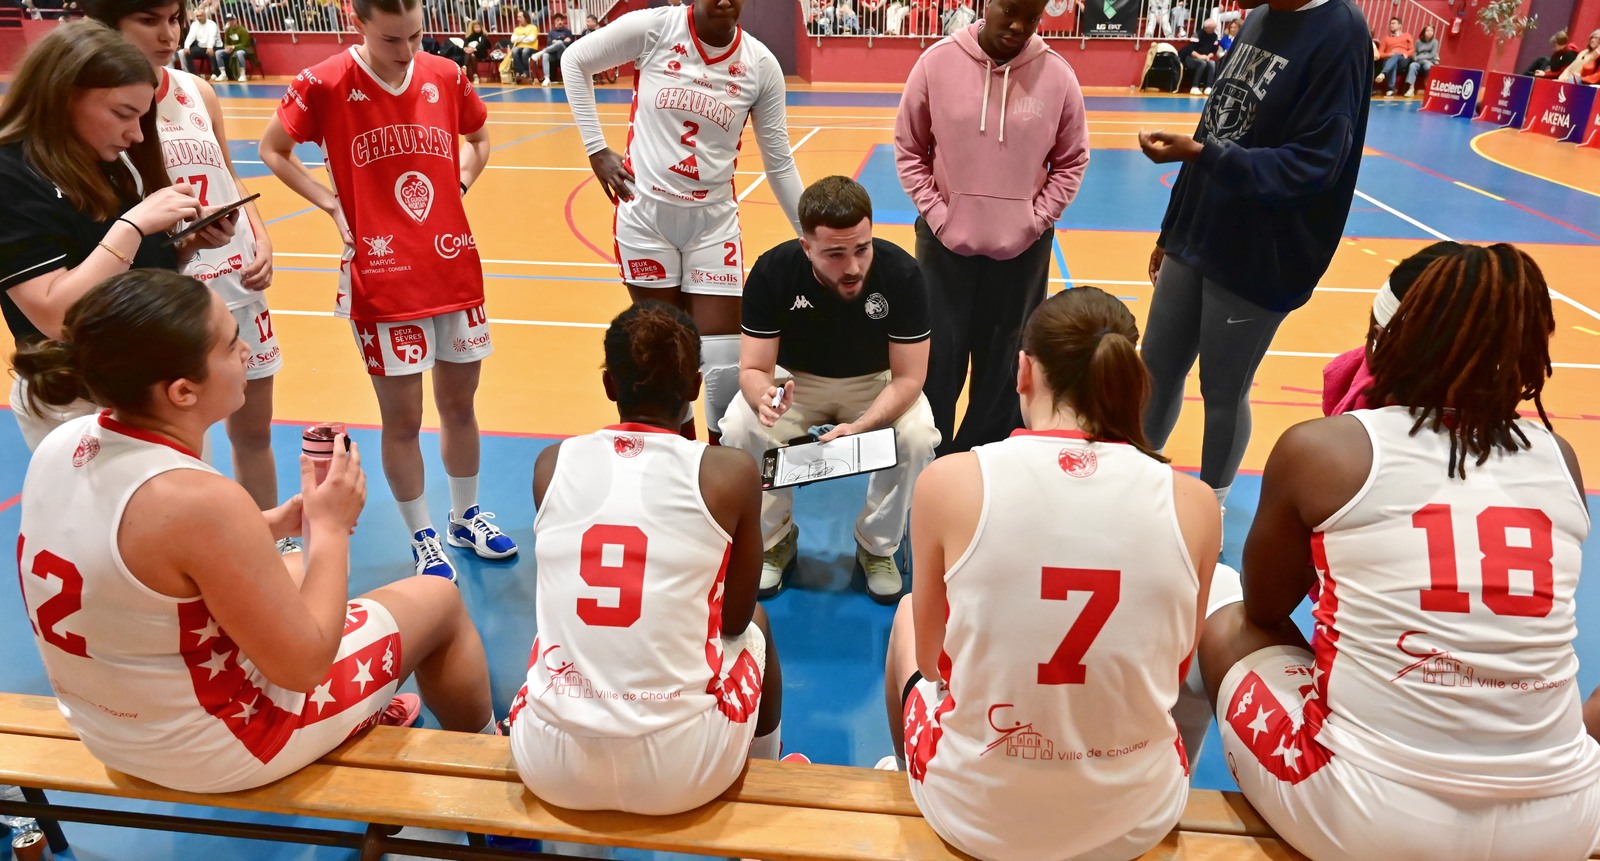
428, 556
1207, 91
884, 583
243, 78
888, 763
1194, 91
289, 545
778, 562
218, 76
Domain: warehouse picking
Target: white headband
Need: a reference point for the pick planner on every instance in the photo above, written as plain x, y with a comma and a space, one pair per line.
1384, 305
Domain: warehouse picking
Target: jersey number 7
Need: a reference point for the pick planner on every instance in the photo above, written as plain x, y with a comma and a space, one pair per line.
1105, 590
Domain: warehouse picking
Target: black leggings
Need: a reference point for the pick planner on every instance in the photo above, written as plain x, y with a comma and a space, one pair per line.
1192, 316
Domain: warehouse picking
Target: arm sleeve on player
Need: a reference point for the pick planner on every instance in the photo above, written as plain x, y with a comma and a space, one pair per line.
297, 111
623, 41
772, 136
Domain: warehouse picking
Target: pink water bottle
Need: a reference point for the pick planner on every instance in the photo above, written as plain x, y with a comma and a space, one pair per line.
316, 442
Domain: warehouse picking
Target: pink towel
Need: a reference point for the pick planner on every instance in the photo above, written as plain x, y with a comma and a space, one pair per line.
1345, 381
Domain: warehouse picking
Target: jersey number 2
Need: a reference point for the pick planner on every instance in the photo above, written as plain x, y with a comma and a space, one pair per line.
689, 131
627, 576
1105, 590
53, 611
1500, 558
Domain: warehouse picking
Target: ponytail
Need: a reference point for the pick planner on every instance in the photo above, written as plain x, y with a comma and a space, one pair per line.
1084, 340
50, 372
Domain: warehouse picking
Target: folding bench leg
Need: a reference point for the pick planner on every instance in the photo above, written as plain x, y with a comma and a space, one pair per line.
51, 829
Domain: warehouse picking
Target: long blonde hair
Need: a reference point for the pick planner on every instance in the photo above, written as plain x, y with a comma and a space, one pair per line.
78, 56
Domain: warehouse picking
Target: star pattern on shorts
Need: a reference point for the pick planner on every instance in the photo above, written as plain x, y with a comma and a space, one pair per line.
217, 664
208, 632
368, 337
1259, 725
1291, 755
363, 675
247, 710
322, 695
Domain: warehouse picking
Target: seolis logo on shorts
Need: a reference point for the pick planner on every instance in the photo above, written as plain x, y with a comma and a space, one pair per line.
706, 276
409, 343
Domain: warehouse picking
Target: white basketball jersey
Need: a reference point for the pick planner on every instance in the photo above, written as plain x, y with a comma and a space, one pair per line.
189, 145
138, 674
1445, 621
630, 575
1070, 619
683, 147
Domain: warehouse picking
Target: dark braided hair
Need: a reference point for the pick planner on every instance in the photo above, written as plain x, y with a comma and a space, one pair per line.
653, 354
1470, 341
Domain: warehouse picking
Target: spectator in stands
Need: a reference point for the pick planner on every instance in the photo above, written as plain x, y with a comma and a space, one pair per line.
1200, 58
593, 24
238, 46
488, 14
872, 12
957, 17
988, 197
559, 38
1425, 58
1256, 214
1391, 737
524, 44
1230, 31
1347, 379
1395, 52
985, 685
836, 330
183, 636
1180, 18
819, 18
1585, 68
84, 192
845, 19
1562, 52
474, 47
655, 703
203, 38
1158, 14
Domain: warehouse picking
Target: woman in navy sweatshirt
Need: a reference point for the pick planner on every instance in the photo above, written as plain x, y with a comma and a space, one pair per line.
1256, 213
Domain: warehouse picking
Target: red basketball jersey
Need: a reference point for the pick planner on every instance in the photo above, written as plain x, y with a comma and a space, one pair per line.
395, 158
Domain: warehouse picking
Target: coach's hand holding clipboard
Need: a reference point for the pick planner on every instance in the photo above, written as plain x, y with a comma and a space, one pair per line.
830, 456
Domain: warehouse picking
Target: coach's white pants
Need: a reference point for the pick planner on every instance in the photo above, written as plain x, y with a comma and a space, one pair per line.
837, 400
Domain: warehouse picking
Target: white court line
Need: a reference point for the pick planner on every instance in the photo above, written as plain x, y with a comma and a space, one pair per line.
504, 167
763, 177
568, 324
1554, 294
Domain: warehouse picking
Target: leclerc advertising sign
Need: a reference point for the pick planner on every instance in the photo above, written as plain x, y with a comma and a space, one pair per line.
1453, 92
1503, 98
1559, 110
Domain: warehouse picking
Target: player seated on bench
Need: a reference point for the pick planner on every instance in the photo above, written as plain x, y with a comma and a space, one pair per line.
653, 668
1436, 715
182, 648
1054, 606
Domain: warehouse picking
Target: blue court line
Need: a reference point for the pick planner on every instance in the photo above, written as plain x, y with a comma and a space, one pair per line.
1061, 259
292, 215
532, 136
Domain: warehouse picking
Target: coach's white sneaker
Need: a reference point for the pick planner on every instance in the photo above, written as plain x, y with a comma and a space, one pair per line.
428, 556
884, 583
778, 562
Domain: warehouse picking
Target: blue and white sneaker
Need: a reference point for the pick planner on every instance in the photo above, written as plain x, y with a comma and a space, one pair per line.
474, 530
429, 556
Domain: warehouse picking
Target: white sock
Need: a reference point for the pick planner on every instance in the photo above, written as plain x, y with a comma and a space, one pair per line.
1222, 494
719, 366
463, 493
415, 514
767, 746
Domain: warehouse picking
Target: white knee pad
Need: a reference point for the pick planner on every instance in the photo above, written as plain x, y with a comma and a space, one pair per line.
719, 366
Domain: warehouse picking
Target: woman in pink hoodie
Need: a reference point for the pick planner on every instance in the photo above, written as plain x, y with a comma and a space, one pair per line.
991, 163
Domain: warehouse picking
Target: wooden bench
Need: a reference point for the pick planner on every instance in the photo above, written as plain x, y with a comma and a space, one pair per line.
460, 782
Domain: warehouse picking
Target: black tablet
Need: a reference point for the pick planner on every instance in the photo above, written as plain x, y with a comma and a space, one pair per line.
213, 218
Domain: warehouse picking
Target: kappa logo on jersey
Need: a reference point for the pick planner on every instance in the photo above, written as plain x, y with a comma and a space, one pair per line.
182, 98
87, 448
431, 93
199, 122
645, 269
357, 96
736, 69
1078, 462
876, 306
409, 343
689, 167
679, 49
628, 446
414, 191
801, 302
450, 245
379, 246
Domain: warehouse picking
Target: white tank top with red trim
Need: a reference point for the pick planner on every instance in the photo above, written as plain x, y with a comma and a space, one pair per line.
149, 682
630, 574
1446, 618
1070, 619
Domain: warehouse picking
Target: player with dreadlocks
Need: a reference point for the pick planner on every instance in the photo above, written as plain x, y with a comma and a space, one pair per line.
1437, 716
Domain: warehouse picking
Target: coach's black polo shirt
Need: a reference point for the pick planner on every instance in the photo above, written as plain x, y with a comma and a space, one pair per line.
822, 334
41, 232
